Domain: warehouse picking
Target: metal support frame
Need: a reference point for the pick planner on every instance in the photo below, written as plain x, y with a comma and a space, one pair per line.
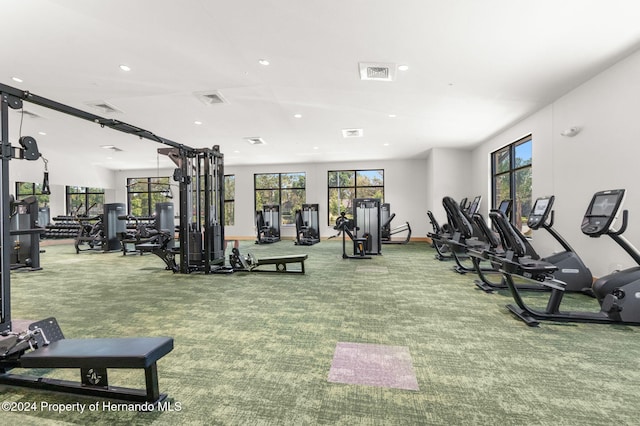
11, 97
5, 209
103, 122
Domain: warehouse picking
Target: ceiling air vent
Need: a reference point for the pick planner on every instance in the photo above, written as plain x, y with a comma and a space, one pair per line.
104, 107
211, 97
111, 147
256, 141
377, 71
352, 133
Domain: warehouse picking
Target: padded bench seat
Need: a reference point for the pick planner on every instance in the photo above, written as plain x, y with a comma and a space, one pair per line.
282, 259
147, 246
280, 262
93, 357
134, 352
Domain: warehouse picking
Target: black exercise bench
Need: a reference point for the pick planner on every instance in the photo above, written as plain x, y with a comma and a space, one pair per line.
280, 262
93, 357
251, 263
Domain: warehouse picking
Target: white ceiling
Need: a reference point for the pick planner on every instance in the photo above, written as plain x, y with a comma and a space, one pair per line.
475, 67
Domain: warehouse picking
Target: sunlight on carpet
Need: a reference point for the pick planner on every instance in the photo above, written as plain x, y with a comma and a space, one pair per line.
373, 365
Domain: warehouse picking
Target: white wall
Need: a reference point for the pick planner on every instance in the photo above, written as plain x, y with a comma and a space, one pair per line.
449, 175
403, 188
604, 155
404, 184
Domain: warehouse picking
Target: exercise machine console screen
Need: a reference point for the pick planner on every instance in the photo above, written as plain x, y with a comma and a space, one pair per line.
602, 212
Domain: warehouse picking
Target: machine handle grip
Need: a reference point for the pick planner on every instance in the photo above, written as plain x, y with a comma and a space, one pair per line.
551, 218
625, 218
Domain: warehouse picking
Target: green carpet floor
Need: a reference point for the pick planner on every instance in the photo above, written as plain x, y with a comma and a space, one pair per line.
256, 349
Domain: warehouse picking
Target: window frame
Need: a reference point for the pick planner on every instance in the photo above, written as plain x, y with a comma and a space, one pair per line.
510, 173
85, 193
36, 189
355, 188
159, 187
278, 191
229, 200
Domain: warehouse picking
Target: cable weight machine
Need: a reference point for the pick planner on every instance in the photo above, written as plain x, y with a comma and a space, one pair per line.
29, 348
200, 175
366, 214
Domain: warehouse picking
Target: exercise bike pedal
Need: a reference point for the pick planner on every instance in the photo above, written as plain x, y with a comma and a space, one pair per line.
610, 304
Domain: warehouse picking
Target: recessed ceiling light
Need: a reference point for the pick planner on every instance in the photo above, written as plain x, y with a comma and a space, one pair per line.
403, 67
392, 116
385, 144
109, 158
125, 67
263, 62
297, 115
315, 147
42, 133
17, 79
197, 122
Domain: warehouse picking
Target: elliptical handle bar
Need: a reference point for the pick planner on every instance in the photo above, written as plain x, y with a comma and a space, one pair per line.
625, 219
551, 218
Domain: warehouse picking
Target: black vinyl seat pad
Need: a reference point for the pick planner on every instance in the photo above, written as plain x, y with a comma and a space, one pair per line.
128, 352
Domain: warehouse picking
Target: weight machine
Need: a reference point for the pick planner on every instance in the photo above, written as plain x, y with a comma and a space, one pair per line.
25, 230
200, 174
307, 225
366, 215
41, 345
149, 233
268, 224
386, 232
345, 227
44, 216
103, 234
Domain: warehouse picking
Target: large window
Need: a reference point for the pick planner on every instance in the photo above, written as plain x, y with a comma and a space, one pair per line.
511, 168
346, 185
25, 189
84, 201
144, 193
229, 199
284, 189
